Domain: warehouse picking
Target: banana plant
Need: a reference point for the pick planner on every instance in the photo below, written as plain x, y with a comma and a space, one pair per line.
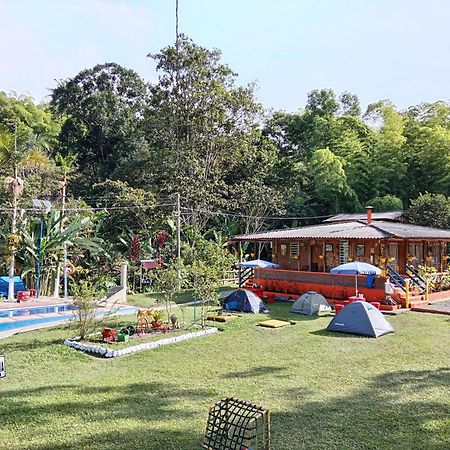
75, 236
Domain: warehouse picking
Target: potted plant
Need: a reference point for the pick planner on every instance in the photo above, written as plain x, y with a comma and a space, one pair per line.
157, 317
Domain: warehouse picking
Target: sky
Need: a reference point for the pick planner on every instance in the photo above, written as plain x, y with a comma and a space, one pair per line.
377, 49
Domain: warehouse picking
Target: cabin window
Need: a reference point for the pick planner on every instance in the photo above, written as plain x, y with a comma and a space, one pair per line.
283, 249
343, 252
415, 254
360, 250
293, 249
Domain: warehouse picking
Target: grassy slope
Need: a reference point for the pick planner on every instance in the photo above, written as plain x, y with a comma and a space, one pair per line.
324, 390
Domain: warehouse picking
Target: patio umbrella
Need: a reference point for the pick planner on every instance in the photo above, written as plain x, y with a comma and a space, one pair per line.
258, 263
356, 268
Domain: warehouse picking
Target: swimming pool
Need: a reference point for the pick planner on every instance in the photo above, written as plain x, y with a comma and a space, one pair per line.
31, 322
37, 310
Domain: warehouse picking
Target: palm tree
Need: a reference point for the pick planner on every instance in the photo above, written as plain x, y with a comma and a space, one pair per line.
19, 151
67, 164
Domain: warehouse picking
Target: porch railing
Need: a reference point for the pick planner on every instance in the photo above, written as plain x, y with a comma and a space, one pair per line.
396, 278
415, 278
245, 273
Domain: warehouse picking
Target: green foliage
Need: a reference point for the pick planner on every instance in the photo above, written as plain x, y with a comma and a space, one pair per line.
129, 211
76, 234
37, 120
432, 210
212, 252
128, 146
204, 127
87, 297
386, 203
330, 181
322, 102
103, 108
167, 280
206, 285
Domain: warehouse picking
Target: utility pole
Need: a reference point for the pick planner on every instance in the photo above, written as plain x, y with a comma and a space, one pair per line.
178, 225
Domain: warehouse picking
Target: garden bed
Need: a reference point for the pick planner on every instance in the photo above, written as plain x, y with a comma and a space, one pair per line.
153, 340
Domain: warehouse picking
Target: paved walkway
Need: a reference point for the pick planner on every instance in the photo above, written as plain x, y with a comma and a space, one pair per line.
34, 303
441, 307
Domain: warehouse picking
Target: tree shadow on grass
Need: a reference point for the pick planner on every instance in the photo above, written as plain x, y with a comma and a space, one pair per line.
393, 410
148, 406
255, 371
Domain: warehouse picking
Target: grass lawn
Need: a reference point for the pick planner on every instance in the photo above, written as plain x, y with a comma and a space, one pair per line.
325, 391
150, 299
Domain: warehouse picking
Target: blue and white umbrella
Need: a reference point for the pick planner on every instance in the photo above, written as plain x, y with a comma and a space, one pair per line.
356, 268
258, 263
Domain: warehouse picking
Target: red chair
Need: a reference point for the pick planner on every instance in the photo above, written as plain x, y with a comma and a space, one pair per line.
23, 296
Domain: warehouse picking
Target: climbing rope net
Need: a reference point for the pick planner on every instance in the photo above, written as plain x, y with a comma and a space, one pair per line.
237, 425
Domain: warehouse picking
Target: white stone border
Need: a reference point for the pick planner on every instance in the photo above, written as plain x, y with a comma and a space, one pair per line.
109, 353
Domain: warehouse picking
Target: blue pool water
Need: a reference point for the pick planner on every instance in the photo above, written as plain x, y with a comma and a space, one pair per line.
38, 310
61, 317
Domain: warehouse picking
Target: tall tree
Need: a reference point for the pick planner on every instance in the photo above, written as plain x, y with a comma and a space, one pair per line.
19, 151
203, 126
427, 149
432, 210
103, 108
67, 164
389, 161
330, 182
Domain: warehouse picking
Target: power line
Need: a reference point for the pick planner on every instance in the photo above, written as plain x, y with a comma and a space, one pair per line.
96, 208
234, 214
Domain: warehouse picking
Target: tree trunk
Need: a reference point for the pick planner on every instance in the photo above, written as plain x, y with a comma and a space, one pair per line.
58, 264
12, 249
57, 283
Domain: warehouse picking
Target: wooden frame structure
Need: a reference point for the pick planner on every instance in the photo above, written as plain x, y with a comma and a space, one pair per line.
235, 425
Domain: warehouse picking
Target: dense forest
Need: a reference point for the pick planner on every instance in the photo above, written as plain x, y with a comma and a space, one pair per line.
112, 153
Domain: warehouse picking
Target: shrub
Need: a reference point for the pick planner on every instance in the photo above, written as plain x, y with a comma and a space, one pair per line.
87, 297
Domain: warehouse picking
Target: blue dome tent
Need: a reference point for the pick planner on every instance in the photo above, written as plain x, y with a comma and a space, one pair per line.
244, 301
360, 318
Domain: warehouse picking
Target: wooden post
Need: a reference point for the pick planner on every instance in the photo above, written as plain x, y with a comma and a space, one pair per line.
267, 430
178, 226
407, 281
427, 288
123, 279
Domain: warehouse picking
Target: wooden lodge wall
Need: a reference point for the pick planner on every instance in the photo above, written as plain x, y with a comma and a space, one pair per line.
319, 255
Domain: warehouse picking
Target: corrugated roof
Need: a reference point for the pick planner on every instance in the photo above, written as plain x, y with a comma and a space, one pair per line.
408, 231
344, 230
350, 230
392, 215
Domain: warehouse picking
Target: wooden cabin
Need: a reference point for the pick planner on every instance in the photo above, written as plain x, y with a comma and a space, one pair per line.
376, 238
381, 239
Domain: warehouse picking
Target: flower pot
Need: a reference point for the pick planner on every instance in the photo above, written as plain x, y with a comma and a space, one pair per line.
156, 324
123, 337
109, 334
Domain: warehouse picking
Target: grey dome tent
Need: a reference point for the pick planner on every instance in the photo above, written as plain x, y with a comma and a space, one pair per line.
310, 303
245, 301
360, 318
